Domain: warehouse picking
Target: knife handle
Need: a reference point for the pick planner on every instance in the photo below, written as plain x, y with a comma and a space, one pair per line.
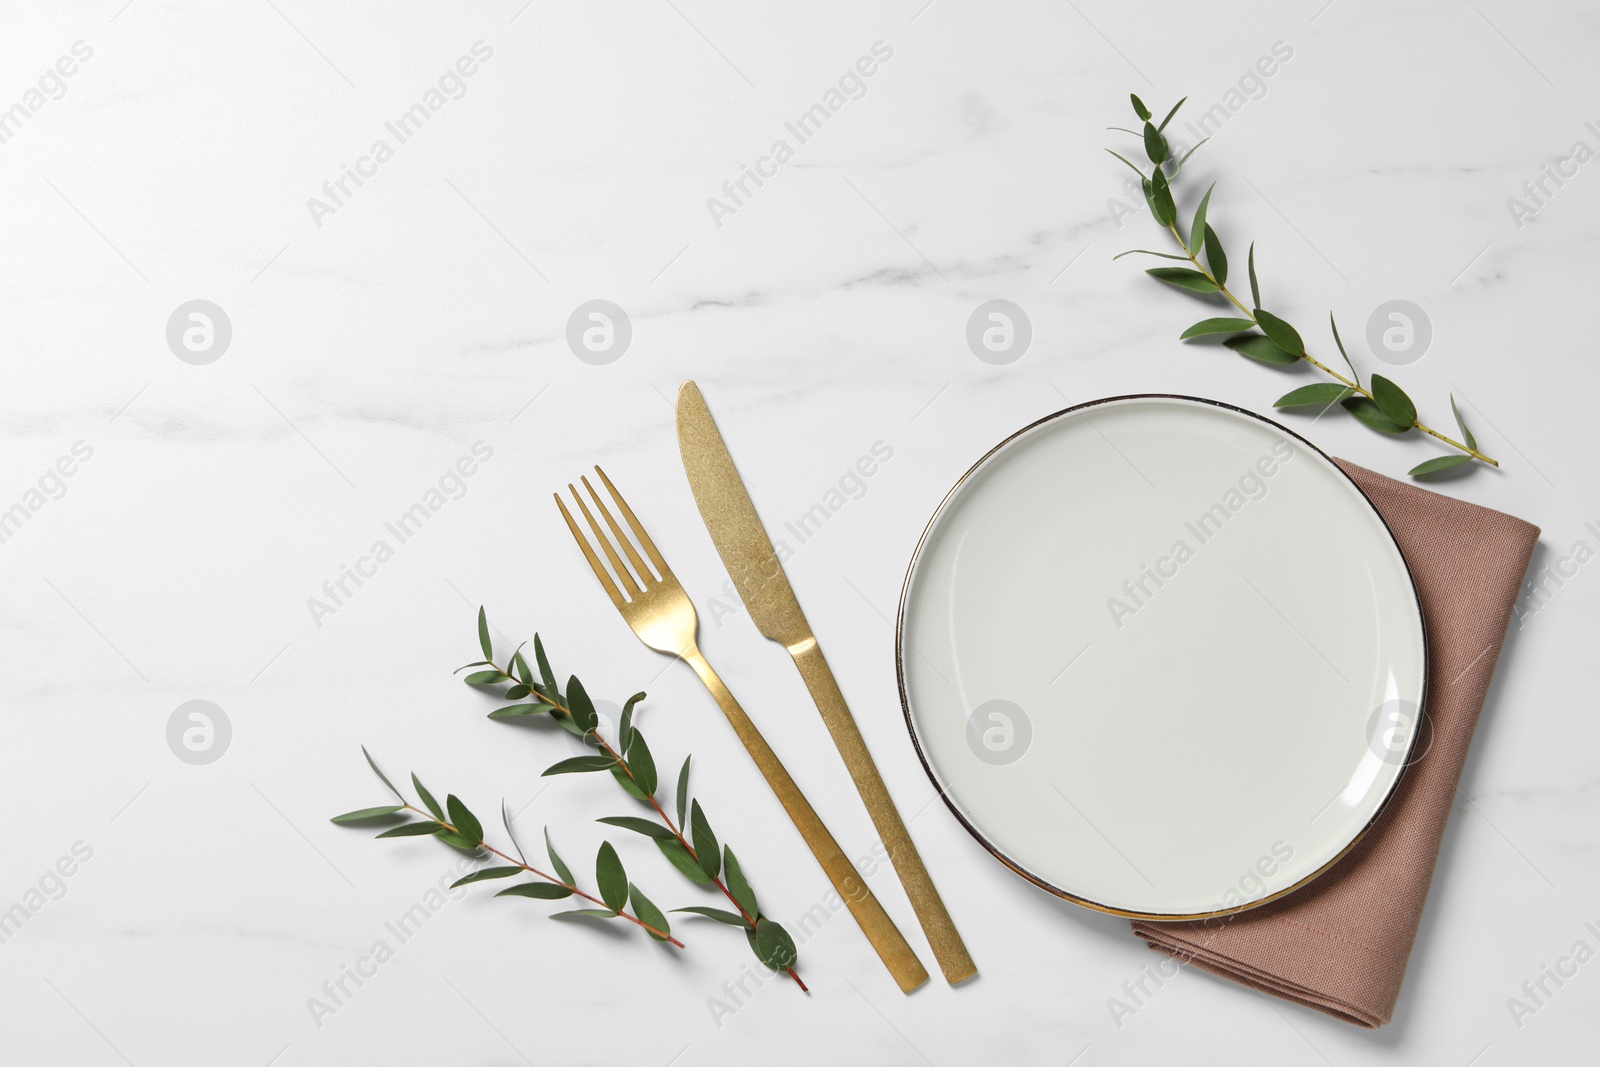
881, 931
940, 929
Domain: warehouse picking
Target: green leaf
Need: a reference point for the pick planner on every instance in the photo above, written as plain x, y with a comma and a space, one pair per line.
455, 840
1255, 289
1393, 401
1311, 395
1262, 350
562, 870
610, 876
643, 765
726, 917
427, 797
1155, 145
627, 783
367, 814
1148, 252
520, 665
1443, 463
1372, 415
381, 776
545, 673
518, 711
517, 692
1131, 166
1355, 376
1466, 434
1183, 278
683, 861
646, 912
483, 635
1207, 327
505, 820
578, 765
486, 874
466, 823
773, 946
1282, 334
1216, 258
414, 829
475, 663
737, 885
584, 913
580, 705
1171, 113
625, 732
1197, 231
537, 890
484, 678
1166, 211
1139, 108
705, 842
1189, 153
683, 789
639, 826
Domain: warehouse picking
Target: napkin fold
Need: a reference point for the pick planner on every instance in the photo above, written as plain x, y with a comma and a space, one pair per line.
1340, 944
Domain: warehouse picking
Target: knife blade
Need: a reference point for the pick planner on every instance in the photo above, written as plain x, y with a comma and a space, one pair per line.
757, 573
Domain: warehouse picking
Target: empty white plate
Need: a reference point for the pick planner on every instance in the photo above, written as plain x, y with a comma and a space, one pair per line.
1161, 656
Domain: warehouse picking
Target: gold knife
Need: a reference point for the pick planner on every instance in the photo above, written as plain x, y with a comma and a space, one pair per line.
753, 564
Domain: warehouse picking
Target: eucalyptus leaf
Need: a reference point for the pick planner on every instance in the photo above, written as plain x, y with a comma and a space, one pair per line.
505, 820
1466, 434
1189, 153
733, 875
537, 890
1131, 165
484, 678
455, 840
1262, 350
643, 765
580, 705
639, 826
1216, 258
1166, 210
388, 811
1197, 231
1355, 375
1148, 252
1183, 278
579, 765
706, 850
1372, 415
1210, 327
1282, 334
773, 945
680, 858
517, 692
1393, 401
1171, 113
1312, 395
1255, 288
562, 870
381, 776
466, 823
486, 874
646, 912
1139, 108
726, 917
626, 732
483, 635
1155, 145
1442, 463
414, 829
520, 711
520, 666
683, 790
584, 913
427, 798
610, 877
625, 780
545, 673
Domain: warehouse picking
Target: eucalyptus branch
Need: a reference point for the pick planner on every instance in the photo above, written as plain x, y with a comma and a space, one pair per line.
455, 825
1383, 406
688, 842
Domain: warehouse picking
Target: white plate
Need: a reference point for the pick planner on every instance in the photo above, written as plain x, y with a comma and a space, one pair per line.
1161, 656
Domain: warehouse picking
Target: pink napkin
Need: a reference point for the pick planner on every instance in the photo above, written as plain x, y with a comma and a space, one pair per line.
1340, 944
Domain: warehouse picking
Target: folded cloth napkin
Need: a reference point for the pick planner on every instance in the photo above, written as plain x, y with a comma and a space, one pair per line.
1340, 944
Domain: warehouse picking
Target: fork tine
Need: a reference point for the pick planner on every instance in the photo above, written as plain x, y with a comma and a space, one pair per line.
588, 553
637, 527
645, 577
624, 576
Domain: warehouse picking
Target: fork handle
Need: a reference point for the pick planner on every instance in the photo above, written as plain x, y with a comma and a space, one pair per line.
881, 931
940, 929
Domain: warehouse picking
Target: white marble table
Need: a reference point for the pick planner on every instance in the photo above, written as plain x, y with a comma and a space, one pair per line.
381, 330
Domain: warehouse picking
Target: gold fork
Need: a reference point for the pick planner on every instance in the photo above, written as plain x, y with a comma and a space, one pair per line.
663, 617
